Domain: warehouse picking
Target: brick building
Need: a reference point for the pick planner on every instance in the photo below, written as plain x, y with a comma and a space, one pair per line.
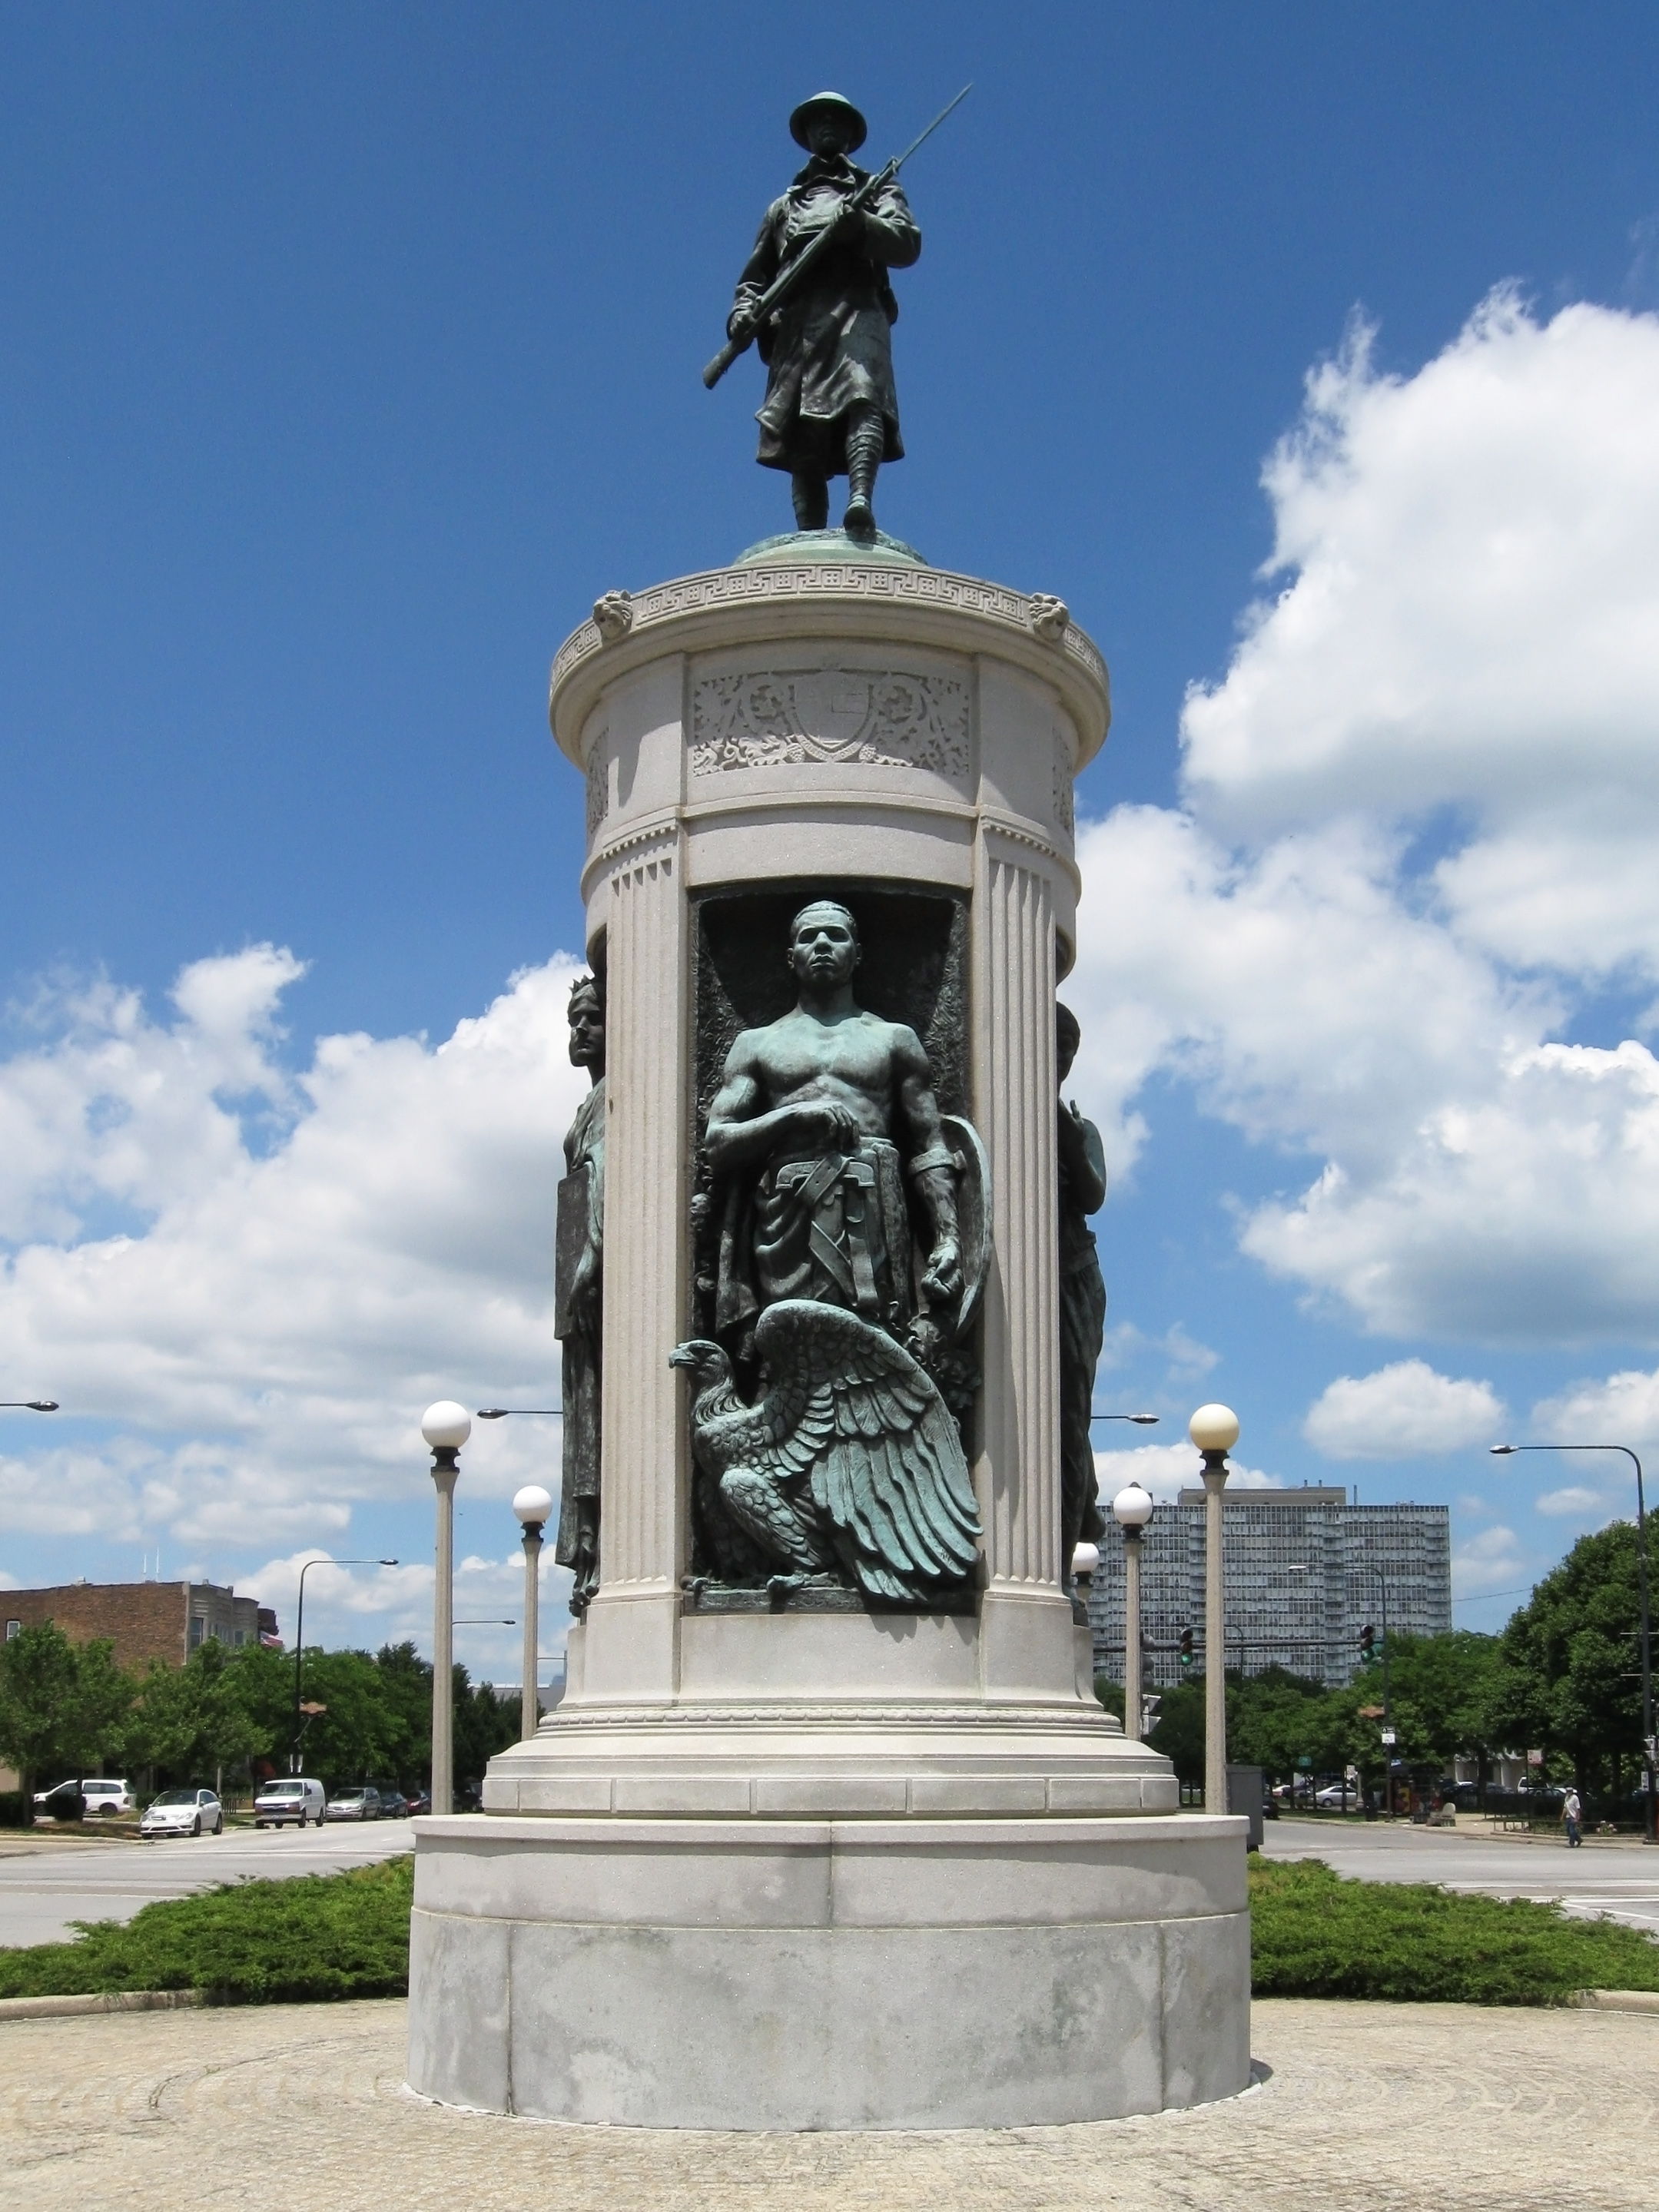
144, 1620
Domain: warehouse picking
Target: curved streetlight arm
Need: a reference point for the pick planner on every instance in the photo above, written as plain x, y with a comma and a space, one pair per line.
300, 1725
1140, 1420
29, 1406
1650, 1760
500, 1413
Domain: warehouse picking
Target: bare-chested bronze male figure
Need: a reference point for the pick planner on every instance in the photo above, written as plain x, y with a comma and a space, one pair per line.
828, 1110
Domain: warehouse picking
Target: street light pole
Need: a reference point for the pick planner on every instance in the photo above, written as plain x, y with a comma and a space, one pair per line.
1214, 1429
446, 1427
532, 1505
1375, 1575
1132, 1509
300, 1637
1649, 1750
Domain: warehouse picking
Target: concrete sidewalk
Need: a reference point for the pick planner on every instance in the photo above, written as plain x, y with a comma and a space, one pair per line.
1373, 2107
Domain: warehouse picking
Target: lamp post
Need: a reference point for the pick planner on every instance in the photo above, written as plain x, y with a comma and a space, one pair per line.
1214, 1429
1650, 1748
1132, 1509
446, 1427
299, 1640
28, 1405
532, 1505
1376, 1576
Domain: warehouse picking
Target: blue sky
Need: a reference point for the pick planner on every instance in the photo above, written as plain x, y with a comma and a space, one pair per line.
349, 353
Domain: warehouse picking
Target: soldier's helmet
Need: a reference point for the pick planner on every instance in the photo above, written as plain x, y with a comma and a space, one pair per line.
829, 103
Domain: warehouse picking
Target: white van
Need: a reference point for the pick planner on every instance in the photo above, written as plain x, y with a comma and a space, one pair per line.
292, 1797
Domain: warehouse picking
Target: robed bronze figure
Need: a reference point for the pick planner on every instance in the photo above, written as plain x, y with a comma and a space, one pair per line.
831, 408
579, 1281
1082, 1305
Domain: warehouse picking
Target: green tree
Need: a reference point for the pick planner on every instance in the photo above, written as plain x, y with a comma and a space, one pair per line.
1179, 1734
194, 1720
62, 1705
1567, 1674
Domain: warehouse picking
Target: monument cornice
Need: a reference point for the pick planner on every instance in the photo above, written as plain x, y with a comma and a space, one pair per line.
724, 607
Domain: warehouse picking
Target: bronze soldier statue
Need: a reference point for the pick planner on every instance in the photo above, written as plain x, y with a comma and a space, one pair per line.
831, 407
1082, 1307
578, 1297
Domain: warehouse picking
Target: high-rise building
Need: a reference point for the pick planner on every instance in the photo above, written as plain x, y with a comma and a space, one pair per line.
1305, 1572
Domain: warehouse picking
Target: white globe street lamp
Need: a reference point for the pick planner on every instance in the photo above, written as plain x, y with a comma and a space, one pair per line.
532, 1504
1132, 1509
1214, 1429
446, 1427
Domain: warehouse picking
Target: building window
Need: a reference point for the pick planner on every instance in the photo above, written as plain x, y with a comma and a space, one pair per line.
241, 1638
12, 1628
197, 1626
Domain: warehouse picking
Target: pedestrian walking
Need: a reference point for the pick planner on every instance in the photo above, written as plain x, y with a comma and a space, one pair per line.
1571, 1812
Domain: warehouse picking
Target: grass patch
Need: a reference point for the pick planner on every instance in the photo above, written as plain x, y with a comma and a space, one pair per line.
254, 1942
1314, 1935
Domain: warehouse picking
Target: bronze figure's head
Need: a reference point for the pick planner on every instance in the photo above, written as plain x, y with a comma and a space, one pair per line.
1067, 1037
586, 1014
823, 944
826, 124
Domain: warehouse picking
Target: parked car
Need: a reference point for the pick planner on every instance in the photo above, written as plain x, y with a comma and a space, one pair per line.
393, 1804
1334, 1797
362, 1803
100, 1794
183, 1812
292, 1797
418, 1802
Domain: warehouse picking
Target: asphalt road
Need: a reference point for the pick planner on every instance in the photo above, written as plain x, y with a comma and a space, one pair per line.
1617, 1881
45, 1884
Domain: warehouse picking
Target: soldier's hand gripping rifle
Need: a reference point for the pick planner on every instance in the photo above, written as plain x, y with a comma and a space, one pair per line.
790, 279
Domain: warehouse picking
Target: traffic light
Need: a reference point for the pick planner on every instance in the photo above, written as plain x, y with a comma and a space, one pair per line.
1367, 1644
1186, 1648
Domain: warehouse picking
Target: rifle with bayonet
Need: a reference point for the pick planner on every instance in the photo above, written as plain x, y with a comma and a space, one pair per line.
790, 279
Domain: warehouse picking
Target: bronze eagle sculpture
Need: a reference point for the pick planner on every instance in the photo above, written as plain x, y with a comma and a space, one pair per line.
847, 1468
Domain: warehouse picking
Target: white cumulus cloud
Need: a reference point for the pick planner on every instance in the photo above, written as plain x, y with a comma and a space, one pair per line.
1420, 811
1401, 1411
304, 1260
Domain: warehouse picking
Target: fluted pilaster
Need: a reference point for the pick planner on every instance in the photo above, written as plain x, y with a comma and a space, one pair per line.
1020, 1463
643, 1449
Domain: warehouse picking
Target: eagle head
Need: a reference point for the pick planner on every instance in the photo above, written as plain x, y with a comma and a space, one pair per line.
708, 1363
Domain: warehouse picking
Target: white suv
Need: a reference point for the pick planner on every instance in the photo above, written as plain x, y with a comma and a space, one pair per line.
100, 1794
294, 1797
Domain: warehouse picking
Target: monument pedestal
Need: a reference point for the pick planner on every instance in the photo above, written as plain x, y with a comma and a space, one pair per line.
788, 1861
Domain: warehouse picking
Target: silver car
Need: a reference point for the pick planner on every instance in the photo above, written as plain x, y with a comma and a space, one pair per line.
360, 1804
183, 1812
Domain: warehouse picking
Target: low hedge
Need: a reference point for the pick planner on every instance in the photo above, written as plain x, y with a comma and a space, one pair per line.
1314, 1935
315, 1937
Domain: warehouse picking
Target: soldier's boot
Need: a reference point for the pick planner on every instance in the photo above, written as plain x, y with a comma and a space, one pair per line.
866, 441
810, 494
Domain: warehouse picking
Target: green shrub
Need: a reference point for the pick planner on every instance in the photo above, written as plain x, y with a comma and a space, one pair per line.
1314, 1935
316, 1937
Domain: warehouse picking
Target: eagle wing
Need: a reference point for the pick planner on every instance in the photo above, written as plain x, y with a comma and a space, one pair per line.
848, 1411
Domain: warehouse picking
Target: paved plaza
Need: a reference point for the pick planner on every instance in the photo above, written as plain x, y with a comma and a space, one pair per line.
47, 1881
1359, 2105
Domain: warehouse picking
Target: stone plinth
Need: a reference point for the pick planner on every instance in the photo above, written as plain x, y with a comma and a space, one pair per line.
802, 1864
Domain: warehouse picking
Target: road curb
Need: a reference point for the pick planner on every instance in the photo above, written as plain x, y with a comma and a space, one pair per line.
1618, 2001
104, 2001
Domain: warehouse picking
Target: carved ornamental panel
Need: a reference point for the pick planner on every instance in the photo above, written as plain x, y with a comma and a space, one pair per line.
855, 717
